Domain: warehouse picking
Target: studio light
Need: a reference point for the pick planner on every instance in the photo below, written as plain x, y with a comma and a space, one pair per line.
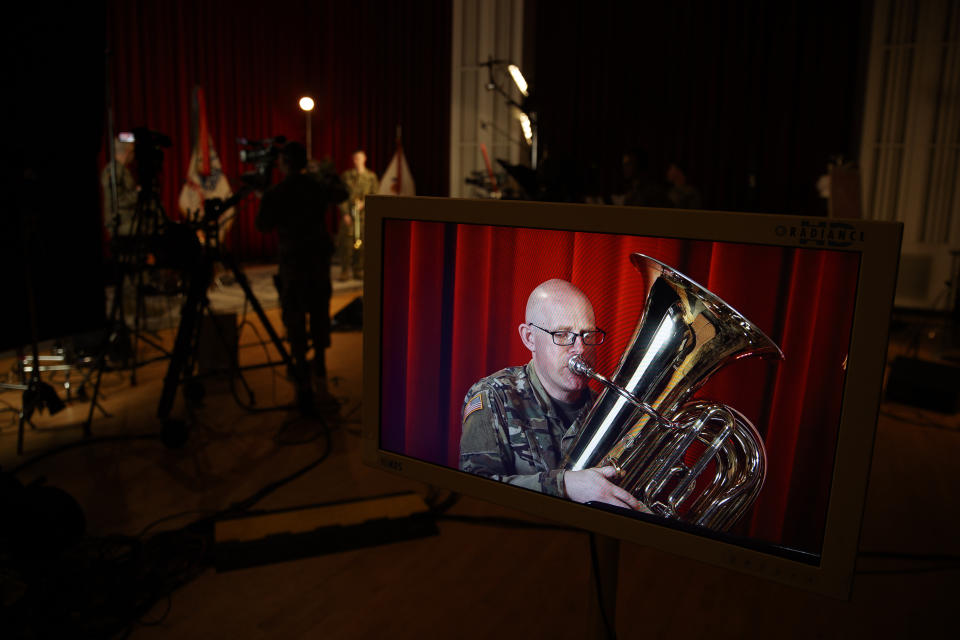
518, 79
524, 111
306, 103
525, 124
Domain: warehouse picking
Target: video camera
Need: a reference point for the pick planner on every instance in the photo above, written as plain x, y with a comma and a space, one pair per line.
147, 153
262, 154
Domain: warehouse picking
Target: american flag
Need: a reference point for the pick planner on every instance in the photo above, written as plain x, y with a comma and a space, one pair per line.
475, 403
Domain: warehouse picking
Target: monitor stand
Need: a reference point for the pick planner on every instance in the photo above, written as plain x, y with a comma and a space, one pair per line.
604, 567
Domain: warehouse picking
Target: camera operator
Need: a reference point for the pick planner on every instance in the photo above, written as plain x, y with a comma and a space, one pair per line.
296, 208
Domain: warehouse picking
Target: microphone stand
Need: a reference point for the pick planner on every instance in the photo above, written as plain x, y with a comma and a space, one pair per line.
37, 394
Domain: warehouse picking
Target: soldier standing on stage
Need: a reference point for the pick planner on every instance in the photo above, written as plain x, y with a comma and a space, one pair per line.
360, 182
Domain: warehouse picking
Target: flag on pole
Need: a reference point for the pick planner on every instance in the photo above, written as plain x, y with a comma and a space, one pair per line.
397, 179
205, 177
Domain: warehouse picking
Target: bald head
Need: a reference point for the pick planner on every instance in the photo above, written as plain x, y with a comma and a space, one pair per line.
556, 301
557, 305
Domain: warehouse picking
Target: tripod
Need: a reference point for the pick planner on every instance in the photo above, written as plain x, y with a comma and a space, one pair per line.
144, 234
37, 394
130, 257
147, 228
182, 360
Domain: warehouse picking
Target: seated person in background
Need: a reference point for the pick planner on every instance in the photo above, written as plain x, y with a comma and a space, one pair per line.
641, 189
514, 420
682, 194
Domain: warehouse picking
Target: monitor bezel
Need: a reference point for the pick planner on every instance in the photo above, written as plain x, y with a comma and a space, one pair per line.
877, 243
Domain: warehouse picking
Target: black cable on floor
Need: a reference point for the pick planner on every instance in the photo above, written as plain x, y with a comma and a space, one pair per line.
284, 438
437, 505
247, 503
82, 443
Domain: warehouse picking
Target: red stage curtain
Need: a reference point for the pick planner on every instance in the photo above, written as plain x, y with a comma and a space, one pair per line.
369, 65
455, 294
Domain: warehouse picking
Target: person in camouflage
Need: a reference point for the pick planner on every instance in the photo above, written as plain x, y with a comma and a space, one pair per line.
127, 191
360, 182
515, 420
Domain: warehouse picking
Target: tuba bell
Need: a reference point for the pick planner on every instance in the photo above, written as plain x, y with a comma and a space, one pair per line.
642, 423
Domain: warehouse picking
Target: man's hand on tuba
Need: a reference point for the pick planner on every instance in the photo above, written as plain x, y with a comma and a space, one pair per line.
594, 485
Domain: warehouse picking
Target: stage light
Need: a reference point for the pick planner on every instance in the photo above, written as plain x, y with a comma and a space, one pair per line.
525, 125
518, 78
307, 104
524, 110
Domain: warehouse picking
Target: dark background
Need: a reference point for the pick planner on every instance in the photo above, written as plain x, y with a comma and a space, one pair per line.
50, 230
733, 90
730, 89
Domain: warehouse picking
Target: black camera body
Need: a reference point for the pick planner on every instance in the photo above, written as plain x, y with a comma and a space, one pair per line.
148, 154
262, 154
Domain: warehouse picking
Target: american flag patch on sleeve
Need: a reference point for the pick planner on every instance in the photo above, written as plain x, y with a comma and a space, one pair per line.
475, 404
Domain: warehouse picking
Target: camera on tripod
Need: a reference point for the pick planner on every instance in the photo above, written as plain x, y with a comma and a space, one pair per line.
147, 153
262, 154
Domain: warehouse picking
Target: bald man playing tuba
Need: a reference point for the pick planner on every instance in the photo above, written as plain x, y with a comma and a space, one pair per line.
515, 420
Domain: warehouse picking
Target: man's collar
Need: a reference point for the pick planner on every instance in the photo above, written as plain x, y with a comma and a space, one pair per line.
544, 398
539, 392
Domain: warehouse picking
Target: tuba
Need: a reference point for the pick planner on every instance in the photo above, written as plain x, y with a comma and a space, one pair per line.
660, 444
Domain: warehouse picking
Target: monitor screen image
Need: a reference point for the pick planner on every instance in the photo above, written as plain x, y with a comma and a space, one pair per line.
722, 369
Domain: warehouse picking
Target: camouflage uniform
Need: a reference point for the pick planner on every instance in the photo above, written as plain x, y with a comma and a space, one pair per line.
127, 195
512, 431
359, 185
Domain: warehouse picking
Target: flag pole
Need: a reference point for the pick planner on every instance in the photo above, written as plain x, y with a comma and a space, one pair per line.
399, 161
306, 105
309, 142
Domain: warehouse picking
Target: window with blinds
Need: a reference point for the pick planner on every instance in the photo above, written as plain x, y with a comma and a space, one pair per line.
910, 154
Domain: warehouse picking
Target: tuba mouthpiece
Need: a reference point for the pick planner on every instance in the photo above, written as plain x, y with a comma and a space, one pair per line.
579, 367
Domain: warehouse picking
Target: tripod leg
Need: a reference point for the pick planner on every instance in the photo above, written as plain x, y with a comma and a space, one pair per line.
137, 318
245, 285
27, 407
93, 400
116, 311
23, 418
155, 345
189, 315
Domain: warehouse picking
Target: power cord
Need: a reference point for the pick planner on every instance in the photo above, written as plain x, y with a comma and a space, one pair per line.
82, 443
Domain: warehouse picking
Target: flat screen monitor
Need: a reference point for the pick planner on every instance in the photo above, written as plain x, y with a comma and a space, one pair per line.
731, 382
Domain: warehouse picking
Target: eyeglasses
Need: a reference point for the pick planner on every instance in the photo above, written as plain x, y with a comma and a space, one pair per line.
567, 338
